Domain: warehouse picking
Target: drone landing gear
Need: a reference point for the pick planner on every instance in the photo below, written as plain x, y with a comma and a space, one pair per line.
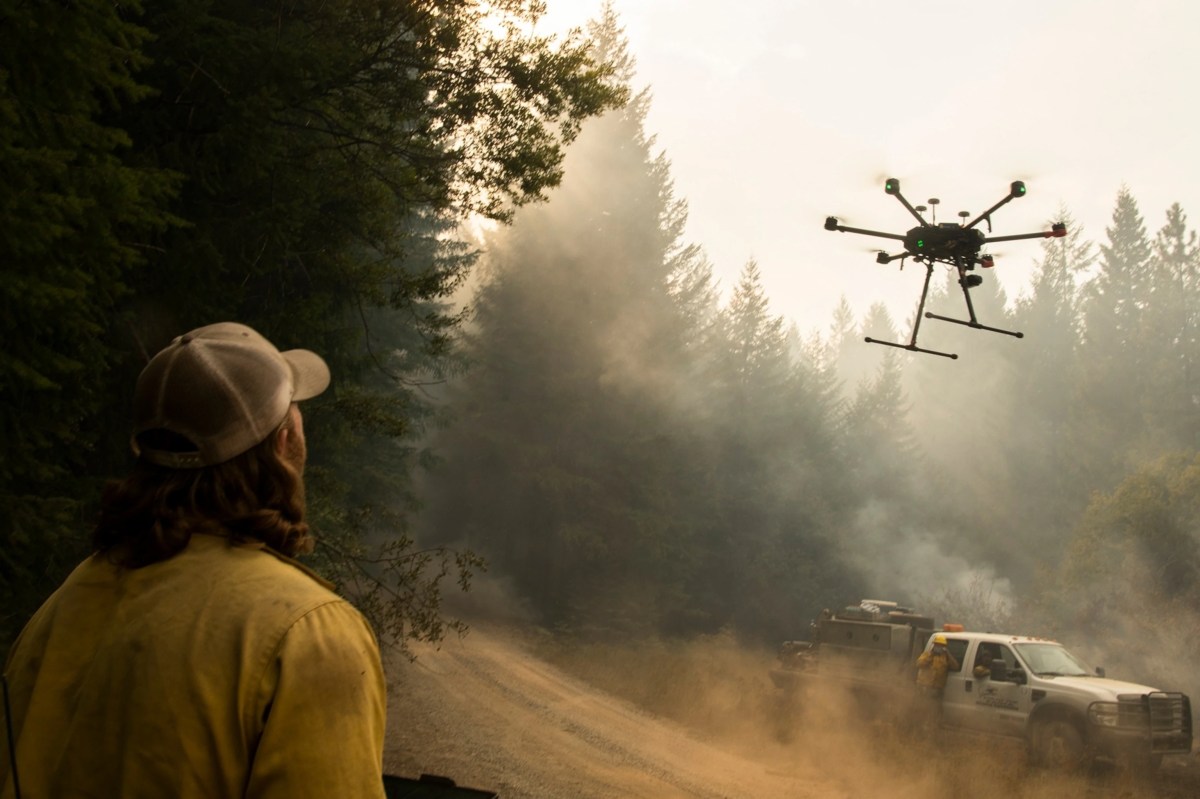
974, 324
967, 282
911, 346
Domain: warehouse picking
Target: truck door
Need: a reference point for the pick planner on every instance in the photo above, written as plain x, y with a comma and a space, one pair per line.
957, 701
999, 707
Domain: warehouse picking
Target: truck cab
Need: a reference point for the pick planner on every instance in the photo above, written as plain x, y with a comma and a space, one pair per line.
1036, 690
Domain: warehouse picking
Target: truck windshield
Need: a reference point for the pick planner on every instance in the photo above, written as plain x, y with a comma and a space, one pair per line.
1051, 660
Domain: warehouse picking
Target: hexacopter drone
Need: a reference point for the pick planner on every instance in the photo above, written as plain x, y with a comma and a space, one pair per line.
956, 244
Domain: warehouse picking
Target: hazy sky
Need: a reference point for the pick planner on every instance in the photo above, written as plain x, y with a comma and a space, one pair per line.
777, 113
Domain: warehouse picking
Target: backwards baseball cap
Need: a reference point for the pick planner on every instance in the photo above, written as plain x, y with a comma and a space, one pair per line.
223, 388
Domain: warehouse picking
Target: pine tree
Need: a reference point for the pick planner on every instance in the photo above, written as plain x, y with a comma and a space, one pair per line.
568, 462
776, 495
1113, 367
1170, 337
854, 360
1048, 489
755, 345
879, 444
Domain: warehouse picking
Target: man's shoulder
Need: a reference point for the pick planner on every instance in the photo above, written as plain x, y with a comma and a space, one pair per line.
254, 566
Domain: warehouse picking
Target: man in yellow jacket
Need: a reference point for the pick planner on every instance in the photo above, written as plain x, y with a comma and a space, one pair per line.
932, 667
191, 656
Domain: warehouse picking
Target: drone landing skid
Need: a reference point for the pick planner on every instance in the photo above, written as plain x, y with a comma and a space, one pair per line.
973, 324
912, 347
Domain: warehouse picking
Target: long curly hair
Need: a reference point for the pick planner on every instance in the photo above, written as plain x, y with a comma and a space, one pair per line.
150, 515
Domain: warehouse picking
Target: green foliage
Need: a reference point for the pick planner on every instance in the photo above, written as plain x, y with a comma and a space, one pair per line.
1113, 303
877, 440
74, 215
1146, 528
1121, 289
1044, 436
397, 584
1171, 347
312, 132
1128, 586
298, 167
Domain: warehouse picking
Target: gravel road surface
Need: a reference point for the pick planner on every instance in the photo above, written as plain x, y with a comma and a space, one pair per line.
486, 712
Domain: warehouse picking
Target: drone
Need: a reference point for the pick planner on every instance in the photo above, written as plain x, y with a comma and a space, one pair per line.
956, 244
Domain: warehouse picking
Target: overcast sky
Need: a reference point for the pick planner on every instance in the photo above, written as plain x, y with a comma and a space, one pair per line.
775, 114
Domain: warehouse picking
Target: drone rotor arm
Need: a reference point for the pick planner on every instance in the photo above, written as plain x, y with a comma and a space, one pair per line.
986, 214
884, 258
861, 231
1057, 231
908, 205
1017, 189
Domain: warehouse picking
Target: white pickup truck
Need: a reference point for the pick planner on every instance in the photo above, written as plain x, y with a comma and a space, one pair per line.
1038, 691
1033, 689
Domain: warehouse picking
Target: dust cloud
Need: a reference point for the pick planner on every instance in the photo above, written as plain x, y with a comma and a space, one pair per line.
532, 714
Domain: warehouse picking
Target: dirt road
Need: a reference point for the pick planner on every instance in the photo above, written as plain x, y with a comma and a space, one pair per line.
486, 713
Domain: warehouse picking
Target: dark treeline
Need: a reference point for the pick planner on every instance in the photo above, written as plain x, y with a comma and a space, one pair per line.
293, 166
638, 455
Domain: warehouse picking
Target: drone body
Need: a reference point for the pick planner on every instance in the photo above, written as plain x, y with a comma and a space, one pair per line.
956, 244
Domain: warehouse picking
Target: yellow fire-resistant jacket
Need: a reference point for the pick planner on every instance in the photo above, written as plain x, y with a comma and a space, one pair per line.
932, 668
225, 671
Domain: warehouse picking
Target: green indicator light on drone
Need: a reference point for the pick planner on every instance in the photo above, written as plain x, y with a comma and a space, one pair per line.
920, 243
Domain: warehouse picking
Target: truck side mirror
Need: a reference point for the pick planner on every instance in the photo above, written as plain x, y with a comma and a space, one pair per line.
1099, 671
999, 670
1017, 676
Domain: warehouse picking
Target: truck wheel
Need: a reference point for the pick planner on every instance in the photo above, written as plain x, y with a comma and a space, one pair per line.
1058, 744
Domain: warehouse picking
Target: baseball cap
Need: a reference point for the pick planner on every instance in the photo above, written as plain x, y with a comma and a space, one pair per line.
224, 388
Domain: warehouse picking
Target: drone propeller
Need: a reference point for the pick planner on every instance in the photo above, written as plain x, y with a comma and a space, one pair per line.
882, 175
870, 179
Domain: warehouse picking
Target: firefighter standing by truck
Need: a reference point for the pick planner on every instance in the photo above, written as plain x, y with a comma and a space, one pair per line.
932, 668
